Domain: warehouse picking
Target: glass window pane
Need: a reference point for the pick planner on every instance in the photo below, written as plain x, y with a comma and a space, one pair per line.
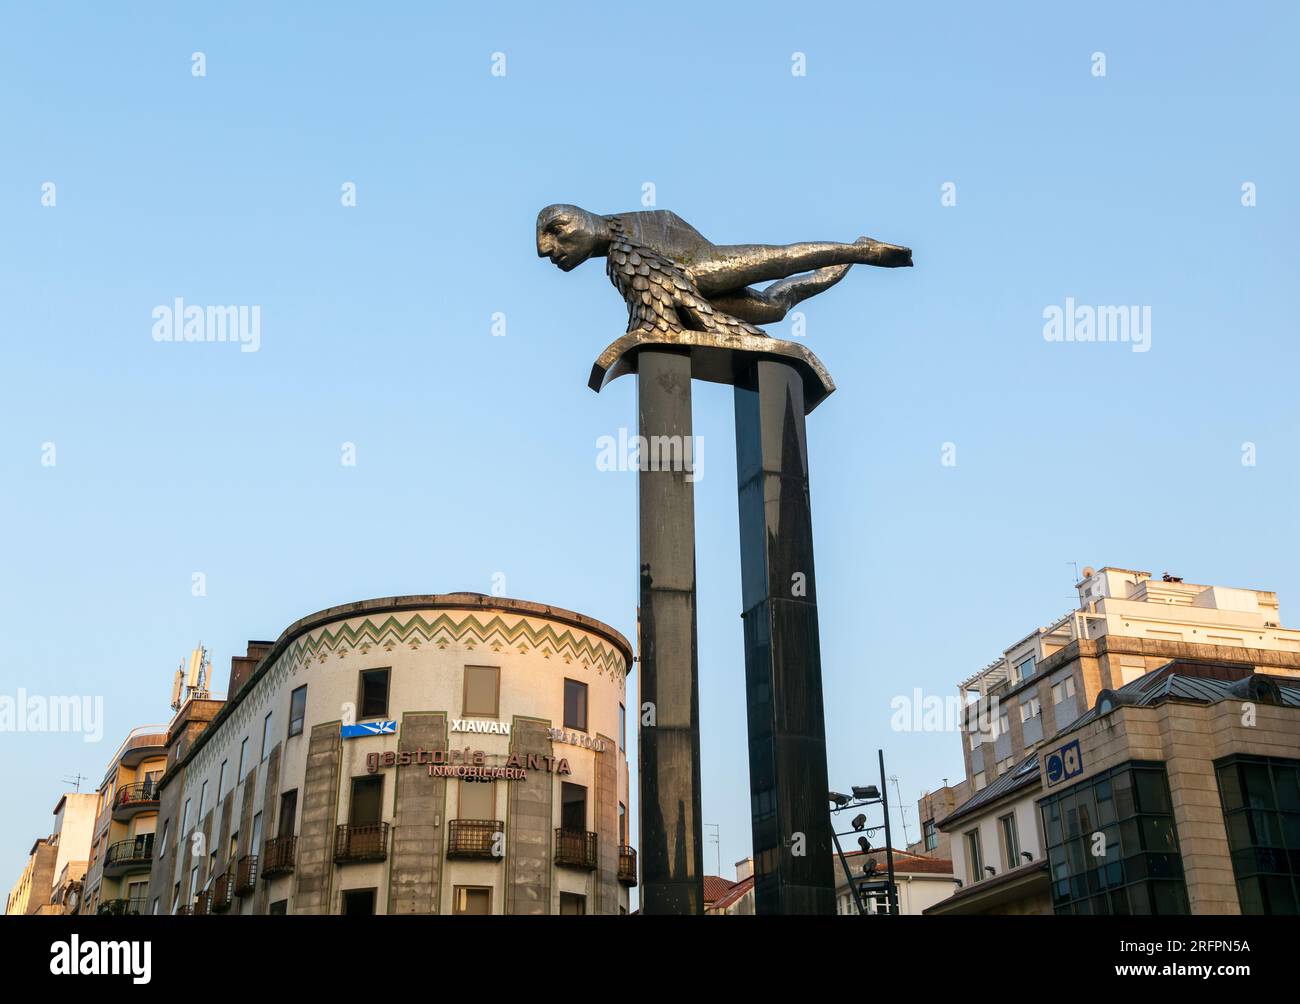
1258, 786
481, 691
1287, 782
297, 711
575, 705
367, 801
477, 800
374, 693
573, 806
1152, 793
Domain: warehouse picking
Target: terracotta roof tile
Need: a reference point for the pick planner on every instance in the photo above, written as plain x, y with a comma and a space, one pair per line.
715, 887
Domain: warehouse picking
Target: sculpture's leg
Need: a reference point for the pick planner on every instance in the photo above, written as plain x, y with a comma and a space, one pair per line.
793, 865
672, 853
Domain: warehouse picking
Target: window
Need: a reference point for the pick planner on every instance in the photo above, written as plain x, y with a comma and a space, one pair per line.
482, 691
1063, 690
288, 813
297, 711
185, 818
266, 735
471, 900
279, 908
1125, 813
1031, 708
622, 727
162, 847
1025, 668
931, 835
1010, 841
575, 705
374, 693
478, 800
203, 800
176, 896
622, 824
974, 863
1004, 724
1261, 810
154, 910
221, 781
979, 780
571, 904
1005, 765
255, 846
194, 885
359, 903
243, 758
573, 807
367, 804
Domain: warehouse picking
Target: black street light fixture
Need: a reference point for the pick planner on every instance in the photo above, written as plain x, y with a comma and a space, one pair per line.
866, 795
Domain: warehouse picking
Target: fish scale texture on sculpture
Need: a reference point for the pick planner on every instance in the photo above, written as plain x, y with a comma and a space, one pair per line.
660, 294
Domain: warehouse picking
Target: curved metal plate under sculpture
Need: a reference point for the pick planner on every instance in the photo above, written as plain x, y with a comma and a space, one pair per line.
717, 359
682, 291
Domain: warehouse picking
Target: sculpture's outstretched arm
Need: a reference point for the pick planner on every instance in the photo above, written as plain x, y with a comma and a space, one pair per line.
730, 267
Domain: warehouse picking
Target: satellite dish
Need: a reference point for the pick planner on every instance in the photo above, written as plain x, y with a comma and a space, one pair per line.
1088, 571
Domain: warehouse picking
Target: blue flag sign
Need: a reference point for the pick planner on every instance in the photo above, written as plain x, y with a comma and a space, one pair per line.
1065, 763
368, 729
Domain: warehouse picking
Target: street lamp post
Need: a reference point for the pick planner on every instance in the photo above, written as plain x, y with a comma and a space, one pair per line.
867, 795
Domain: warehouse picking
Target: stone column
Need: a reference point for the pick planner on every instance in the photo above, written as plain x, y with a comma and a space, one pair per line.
793, 867
671, 847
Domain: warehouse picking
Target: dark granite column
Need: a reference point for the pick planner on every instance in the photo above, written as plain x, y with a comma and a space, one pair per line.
671, 850
793, 870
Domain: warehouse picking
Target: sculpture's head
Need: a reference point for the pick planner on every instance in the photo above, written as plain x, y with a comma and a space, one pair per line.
568, 235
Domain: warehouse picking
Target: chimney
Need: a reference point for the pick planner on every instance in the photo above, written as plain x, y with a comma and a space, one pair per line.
744, 869
242, 666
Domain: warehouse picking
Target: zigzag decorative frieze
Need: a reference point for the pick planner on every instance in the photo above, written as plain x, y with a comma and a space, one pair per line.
444, 630
451, 629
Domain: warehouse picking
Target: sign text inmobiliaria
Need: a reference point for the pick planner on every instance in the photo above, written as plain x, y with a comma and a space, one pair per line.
469, 764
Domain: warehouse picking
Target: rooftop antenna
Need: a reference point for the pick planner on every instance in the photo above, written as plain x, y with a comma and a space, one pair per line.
191, 680
75, 781
902, 809
1076, 570
716, 838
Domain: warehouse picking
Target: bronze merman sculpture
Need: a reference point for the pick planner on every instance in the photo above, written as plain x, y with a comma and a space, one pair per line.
681, 289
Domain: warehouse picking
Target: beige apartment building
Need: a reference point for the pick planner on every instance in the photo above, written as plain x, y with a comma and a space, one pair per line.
126, 816
1139, 755
57, 863
452, 754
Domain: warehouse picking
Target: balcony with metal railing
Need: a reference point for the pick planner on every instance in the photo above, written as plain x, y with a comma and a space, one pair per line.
476, 838
135, 906
223, 891
246, 875
627, 864
132, 799
132, 855
365, 842
278, 856
575, 849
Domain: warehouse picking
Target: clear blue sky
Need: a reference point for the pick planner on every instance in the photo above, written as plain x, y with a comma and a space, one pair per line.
477, 454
